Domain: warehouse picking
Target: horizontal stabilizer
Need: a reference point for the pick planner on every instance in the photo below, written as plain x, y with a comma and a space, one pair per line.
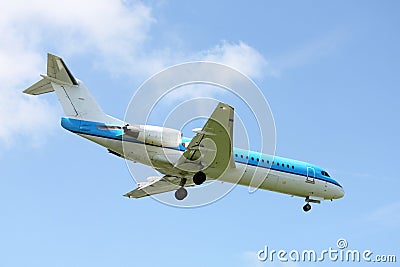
41, 87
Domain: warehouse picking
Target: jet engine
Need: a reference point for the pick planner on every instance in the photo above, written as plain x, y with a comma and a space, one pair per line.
154, 135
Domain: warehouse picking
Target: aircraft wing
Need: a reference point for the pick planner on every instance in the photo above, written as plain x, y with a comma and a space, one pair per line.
155, 185
211, 150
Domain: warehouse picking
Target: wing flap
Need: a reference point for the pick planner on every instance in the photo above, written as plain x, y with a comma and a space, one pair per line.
154, 185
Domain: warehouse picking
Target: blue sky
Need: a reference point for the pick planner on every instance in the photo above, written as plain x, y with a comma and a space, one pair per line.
329, 71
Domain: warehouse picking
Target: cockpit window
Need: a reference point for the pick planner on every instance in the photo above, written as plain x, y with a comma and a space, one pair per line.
324, 173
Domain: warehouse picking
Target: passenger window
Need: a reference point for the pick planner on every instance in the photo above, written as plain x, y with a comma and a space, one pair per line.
288, 166
235, 155
241, 156
292, 166
277, 164
252, 158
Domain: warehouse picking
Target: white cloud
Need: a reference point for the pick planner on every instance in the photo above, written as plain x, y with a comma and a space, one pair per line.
113, 33
109, 29
20, 114
240, 56
30, 117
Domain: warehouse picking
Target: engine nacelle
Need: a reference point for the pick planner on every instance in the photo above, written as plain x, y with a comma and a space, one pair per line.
154, 135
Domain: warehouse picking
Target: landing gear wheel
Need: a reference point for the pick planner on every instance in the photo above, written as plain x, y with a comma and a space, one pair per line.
307, 207
181, 193
199, 178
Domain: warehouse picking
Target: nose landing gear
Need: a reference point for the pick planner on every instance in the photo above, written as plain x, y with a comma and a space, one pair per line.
313, 199
307, 207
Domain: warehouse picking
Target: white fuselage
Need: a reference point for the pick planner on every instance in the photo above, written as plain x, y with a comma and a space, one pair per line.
162, 159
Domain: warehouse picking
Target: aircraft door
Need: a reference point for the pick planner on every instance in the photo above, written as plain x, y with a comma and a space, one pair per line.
310, 175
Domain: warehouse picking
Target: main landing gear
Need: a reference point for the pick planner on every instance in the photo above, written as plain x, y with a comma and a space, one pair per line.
181, 193
198, 179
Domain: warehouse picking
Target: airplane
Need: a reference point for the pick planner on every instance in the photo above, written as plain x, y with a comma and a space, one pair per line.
183, 162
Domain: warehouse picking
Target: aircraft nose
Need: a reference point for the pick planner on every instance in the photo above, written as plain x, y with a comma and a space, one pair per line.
339, 192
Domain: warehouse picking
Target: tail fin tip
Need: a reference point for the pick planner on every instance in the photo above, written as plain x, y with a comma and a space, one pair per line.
57, 69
